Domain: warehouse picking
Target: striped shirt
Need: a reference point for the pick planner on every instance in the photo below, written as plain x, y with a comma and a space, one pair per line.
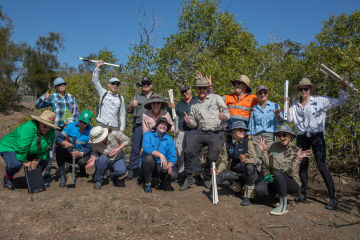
59, 106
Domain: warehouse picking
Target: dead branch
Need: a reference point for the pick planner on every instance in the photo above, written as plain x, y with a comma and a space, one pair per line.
267, 232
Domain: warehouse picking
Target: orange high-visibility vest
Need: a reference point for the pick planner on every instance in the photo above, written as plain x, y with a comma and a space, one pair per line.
240, 109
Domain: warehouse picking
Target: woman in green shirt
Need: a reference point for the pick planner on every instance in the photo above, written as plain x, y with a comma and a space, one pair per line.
28, 145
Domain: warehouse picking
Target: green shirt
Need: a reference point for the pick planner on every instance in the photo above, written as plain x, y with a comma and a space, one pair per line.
283, 159
23, 141
139, 110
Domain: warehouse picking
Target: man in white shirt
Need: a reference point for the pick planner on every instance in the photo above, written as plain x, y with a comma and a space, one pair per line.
309, 115
111, 111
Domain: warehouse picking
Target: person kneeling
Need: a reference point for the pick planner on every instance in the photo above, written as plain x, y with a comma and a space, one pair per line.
79, 132
282, 159
159, 156
107, 155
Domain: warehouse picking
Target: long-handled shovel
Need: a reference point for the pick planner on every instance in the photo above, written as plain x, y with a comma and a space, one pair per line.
72, 185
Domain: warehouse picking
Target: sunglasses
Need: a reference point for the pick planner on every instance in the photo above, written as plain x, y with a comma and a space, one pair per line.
61, 84
146, 84
115, 83
202, 88
303, 89
263, 93
282, 134
185, 91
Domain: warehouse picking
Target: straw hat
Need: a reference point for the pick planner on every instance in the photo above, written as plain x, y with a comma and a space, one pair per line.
156, 98
244, 79
201, 82
47, 117
97, 134
305, 82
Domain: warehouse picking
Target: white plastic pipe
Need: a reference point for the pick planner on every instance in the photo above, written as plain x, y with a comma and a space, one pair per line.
95, 61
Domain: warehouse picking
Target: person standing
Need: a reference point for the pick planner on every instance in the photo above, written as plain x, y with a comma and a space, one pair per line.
309, 115
111, 110
208, 115
265, 116
64, 106
137, 108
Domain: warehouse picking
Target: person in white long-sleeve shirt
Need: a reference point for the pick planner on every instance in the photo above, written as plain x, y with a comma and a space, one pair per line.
308, 115
111, 111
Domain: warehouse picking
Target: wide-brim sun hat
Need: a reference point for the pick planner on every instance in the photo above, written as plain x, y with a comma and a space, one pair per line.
305, 82
156, 98
98, 134
201, 82
59, 81
47, 117
285, 128
239, 125
244, 79
162, 119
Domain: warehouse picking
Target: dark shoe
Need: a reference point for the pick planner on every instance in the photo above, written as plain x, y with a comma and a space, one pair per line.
46, 184
82, 173
63, 179
207, 184
332, 204
225, 177
300, 198
7, 183
198, 180
245, 202
118, 182
166, 185
189, 180
97, 185
132, 173
47, 172
147, 188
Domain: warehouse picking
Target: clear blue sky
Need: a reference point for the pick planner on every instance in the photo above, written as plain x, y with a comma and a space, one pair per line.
88, 26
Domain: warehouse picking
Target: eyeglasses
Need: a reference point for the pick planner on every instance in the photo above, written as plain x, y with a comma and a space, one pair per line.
263, 93
146, 84
303, 89
115, 83
283, 134
202, 88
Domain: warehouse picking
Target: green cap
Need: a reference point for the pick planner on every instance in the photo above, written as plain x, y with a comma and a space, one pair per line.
86, 116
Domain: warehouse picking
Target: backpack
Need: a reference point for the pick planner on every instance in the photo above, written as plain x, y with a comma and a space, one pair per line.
98, 110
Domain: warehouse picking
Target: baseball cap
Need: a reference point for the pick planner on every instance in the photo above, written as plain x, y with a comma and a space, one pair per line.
86, 116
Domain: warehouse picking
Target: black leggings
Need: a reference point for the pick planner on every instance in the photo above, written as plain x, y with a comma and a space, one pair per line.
317, 143
150, 168
283, 184
64, 155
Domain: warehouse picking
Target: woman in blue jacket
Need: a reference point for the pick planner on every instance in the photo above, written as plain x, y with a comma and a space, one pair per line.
159, 156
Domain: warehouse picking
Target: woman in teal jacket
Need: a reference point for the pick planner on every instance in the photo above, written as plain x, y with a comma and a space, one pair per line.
28, 145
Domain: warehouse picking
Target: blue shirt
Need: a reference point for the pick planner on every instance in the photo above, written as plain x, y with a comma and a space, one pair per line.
59, 106
264, 120
150, 143
82, 139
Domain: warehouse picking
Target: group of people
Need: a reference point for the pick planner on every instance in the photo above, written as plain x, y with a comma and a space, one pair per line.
246, 124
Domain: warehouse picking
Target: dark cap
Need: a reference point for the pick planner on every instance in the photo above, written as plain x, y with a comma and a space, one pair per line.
163, 119
262, 87
145, 80
184, 88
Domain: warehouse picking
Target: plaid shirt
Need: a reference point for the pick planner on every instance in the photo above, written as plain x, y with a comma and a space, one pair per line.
59, 106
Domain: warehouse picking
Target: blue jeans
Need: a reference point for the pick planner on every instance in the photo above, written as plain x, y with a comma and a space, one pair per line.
13, 165
102, 163
135, 147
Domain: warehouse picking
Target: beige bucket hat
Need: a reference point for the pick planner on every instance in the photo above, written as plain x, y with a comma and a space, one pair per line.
201, 82
47, 117
244, 79
305, 82
97, 134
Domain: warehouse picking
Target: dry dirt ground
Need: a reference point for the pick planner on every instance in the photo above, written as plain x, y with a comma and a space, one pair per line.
129, 213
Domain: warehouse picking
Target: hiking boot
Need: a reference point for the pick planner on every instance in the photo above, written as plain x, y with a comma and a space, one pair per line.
132, 173
332, 204
198, 180
147, 188
300, 198
245, 202
224, 177
82, 173
166, 185
207, 184
7, 183
189, 180
97, 185
63, 179
282, 209
117, 182
47, 172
